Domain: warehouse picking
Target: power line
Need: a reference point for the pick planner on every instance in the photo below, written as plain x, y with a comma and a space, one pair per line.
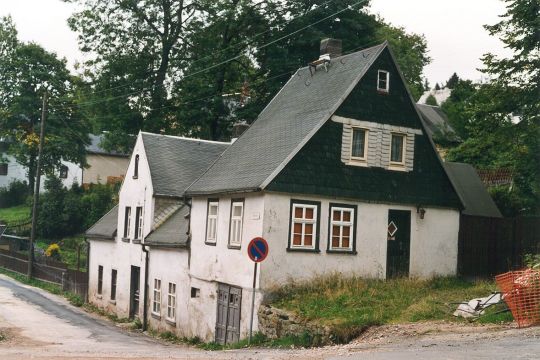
349, 7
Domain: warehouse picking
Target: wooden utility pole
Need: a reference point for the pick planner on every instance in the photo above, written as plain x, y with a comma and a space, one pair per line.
36, 190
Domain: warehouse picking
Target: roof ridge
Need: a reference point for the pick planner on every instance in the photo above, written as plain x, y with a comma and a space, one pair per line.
186, 138
347, 55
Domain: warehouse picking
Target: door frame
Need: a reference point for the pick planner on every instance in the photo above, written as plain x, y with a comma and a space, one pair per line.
226, 326
134, 284
400, 272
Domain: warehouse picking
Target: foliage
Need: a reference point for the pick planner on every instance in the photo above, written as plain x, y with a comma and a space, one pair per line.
452, 82
509, 201
53, 251
14, 194
28, 72
16, 214
64, 212
430, 100
353, 302
532, 261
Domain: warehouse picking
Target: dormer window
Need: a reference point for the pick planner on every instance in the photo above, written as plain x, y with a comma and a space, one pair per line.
136, 168
359, 144
397, 150
383, 81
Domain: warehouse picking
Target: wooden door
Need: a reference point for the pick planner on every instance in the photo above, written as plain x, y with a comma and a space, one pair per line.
134, 291
229, 299
398, 243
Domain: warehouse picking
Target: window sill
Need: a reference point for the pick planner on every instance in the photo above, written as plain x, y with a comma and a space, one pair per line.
156, 316
135, 177
362, 163
170, 322
289, 249
397, 167
344, 252
112, 302
234, 247
126, 240
211, 243
136, 241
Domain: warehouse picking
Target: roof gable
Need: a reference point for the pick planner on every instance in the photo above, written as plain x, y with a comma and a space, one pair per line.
293, 116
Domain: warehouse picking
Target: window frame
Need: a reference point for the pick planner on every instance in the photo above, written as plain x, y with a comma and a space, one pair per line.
316, 228
156, 300
171, 307
136, 167
356, 159
138, 223
386, 89
114, 279
100, 280
236, 245
210, 202
395, 164
63, 172
127, 222
354, 218
2, 167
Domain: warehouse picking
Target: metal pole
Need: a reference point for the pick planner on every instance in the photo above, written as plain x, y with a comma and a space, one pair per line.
36, 190
253, 301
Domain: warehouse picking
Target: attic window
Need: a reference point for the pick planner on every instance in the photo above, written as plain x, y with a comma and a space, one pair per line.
383, 81
136, 168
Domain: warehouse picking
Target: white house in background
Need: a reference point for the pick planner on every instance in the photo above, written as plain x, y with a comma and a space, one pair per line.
151, 207
337, 173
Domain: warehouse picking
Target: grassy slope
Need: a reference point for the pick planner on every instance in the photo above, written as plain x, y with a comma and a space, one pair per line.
15, 214
355, 302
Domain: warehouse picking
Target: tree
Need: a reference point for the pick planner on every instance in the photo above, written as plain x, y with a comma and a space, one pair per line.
28, 71
452, 82
437, 87
430, 100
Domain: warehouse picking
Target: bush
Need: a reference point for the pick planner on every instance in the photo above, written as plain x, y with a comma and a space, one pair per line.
532, 261
14, 194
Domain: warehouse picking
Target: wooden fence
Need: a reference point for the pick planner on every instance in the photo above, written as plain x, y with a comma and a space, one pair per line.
47, 270
491, 246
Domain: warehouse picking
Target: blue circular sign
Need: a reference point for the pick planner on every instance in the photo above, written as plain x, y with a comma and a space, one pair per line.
258, 249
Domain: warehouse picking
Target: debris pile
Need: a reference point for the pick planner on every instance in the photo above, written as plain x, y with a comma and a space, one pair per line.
521, 292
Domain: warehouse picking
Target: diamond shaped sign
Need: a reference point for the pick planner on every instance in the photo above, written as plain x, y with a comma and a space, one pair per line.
392, 228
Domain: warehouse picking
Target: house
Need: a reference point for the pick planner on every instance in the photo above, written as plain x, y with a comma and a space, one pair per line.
337, 173
151, 207
104, 166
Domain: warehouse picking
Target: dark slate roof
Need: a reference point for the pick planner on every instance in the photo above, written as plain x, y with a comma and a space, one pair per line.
176, 162
173, 232
105, 228
436, 122
300, 108
472, 192
95, 147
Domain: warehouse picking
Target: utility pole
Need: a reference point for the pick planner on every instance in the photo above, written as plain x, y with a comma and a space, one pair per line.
36, 190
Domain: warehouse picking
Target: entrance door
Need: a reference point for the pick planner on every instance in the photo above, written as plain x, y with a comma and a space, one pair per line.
134, 291
228, 314
398, 243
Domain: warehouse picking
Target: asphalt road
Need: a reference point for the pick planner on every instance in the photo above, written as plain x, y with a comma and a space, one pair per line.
41, 326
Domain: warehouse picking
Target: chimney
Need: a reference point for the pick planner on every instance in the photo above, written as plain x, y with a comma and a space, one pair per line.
238, 129
330, 47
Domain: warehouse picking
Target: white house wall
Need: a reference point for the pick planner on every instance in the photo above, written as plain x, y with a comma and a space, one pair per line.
433, 250
210, 264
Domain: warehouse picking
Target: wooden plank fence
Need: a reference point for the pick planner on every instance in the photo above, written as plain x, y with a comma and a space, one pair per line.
47, 270
491, 246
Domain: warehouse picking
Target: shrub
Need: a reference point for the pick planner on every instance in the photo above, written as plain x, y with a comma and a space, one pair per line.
532, 261
14, 194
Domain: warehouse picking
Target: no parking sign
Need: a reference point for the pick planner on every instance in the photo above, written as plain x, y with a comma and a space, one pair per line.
257, 251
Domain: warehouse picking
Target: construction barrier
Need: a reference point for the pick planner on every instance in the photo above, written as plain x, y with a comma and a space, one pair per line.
521, 292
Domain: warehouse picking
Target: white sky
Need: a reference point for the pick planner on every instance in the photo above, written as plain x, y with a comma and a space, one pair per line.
453, 29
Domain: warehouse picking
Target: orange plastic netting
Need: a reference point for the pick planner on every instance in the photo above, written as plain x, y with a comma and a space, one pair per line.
521, 292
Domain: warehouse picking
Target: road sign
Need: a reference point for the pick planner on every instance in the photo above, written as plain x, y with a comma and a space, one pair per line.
258, 249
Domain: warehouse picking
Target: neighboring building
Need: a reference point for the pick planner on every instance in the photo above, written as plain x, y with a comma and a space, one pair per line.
337, 173
103, 166
440, 95
438, 128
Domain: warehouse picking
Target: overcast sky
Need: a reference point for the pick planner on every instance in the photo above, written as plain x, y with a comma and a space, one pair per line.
453, 29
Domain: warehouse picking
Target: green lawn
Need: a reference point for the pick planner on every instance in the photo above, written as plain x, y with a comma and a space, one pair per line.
15, 214
351, 303
68, 250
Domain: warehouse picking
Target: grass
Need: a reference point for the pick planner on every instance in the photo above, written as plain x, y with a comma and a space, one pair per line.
15, 214
348, 304
68, 250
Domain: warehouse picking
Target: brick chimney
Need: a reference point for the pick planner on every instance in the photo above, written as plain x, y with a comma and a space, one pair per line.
331, 47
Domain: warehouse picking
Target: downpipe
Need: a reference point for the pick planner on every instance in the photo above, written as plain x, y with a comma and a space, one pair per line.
145, 300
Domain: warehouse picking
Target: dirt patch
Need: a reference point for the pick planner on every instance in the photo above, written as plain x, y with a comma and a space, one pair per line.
11, 336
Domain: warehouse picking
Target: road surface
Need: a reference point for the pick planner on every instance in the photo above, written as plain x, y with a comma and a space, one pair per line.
41, 326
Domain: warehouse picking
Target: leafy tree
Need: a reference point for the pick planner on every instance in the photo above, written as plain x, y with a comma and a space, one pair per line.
430, 100
458, 107
452, 82
28, 71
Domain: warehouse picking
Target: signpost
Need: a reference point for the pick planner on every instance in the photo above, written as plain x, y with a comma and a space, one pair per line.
257, 252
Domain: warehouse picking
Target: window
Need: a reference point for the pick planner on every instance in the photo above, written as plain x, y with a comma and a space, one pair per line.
383, 81
138, 222
397, 149
171, 302
304, 226
211, 221
100, 280
237, 214
156, 301
127, 222
359, 144
136, 167
342, 220
195, 292
63, 172
3, 169
113, 284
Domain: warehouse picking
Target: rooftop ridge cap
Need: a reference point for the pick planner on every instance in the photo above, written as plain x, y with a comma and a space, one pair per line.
186, 138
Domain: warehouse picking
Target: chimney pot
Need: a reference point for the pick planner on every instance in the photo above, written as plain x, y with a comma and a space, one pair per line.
331, 47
